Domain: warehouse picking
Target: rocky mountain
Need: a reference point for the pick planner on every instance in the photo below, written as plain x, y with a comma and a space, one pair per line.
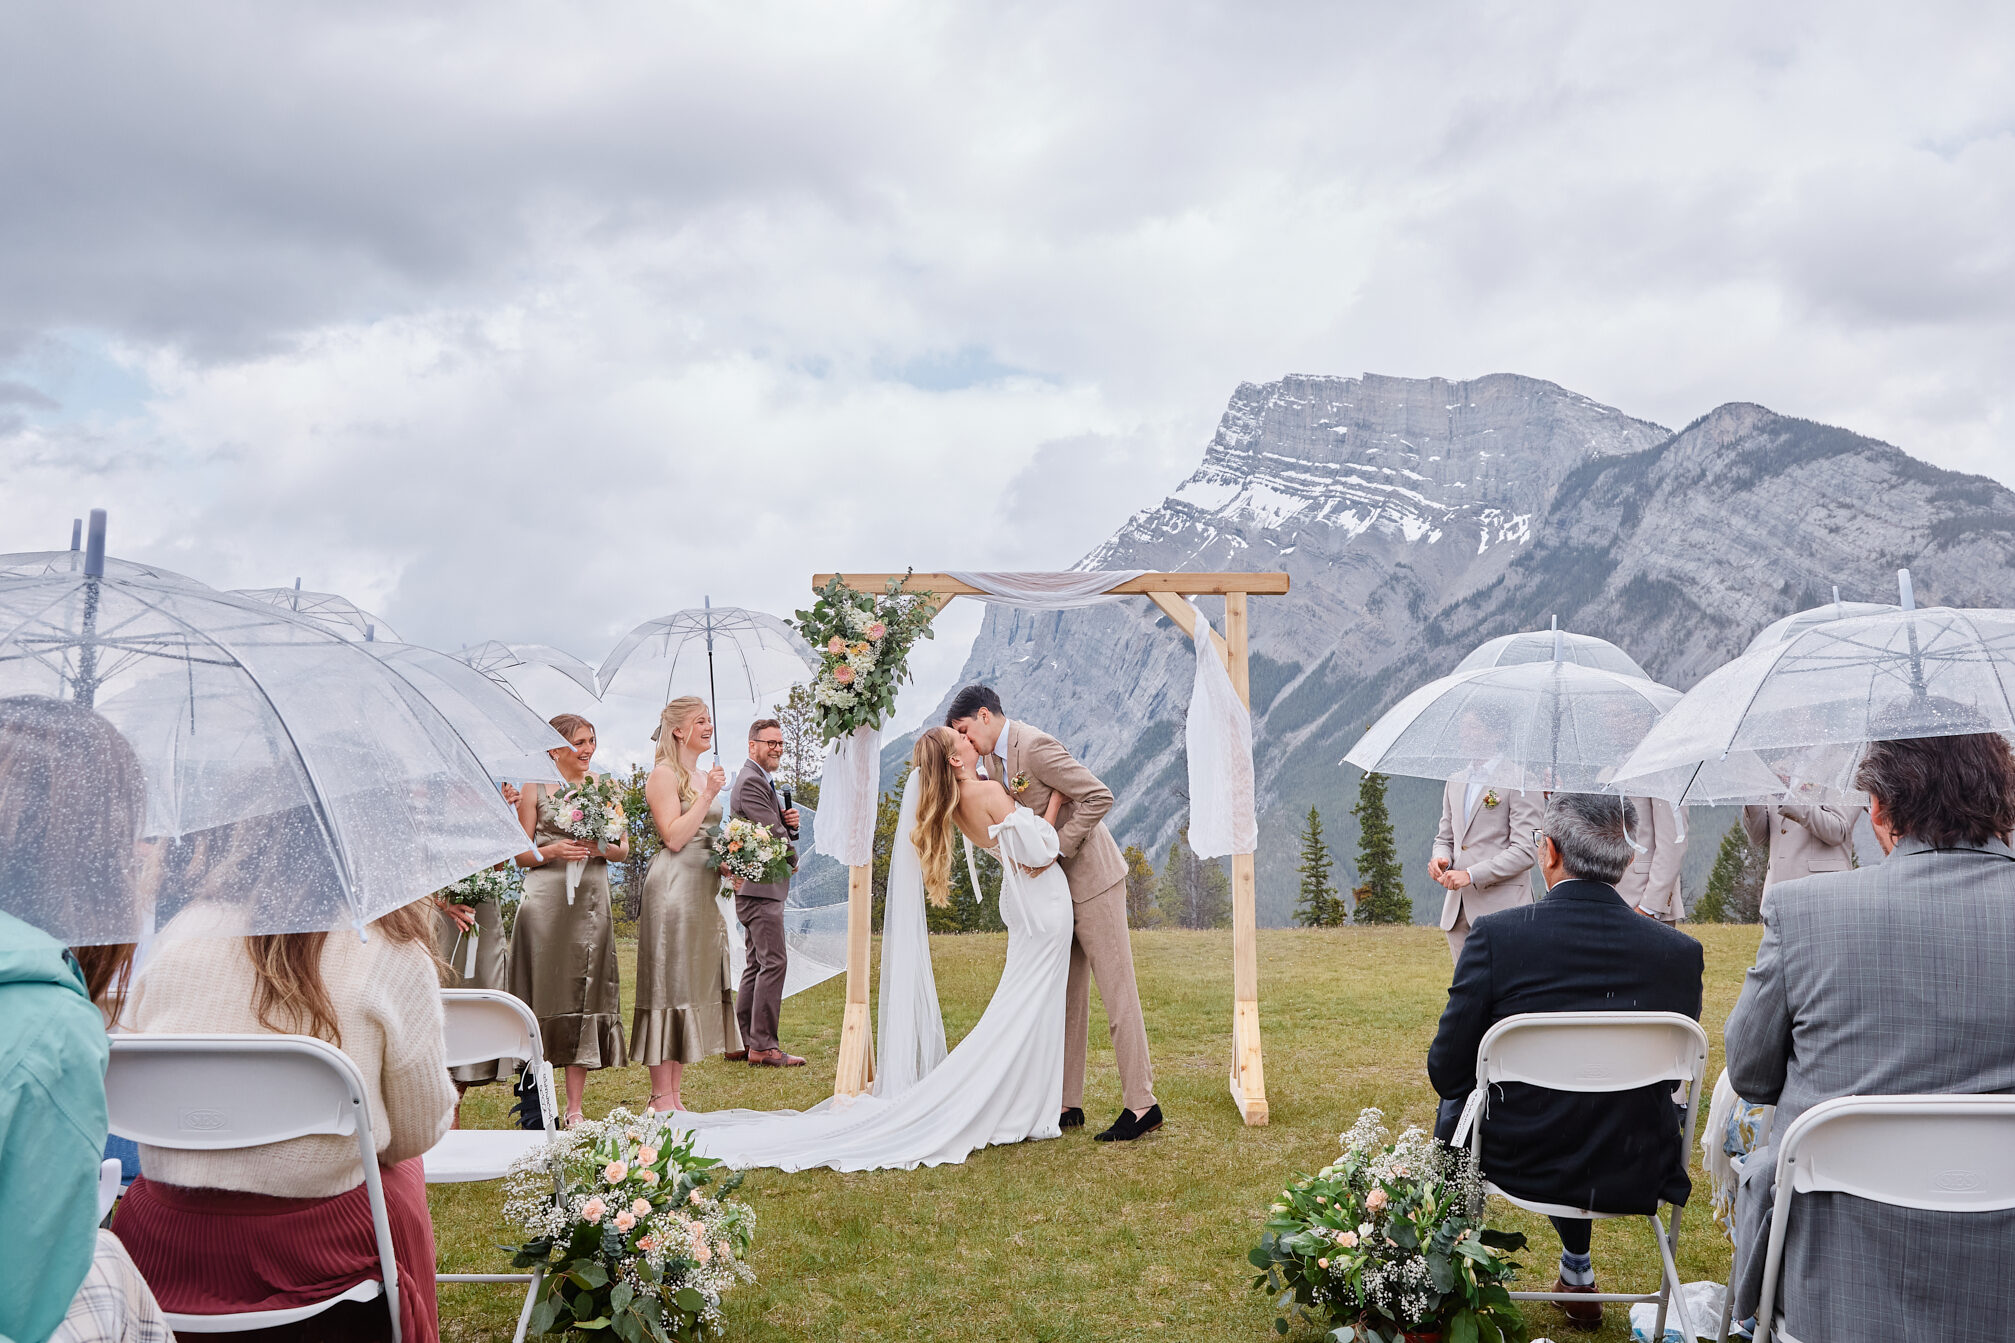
1419, 517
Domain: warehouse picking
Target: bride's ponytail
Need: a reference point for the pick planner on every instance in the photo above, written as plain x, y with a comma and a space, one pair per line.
937, 794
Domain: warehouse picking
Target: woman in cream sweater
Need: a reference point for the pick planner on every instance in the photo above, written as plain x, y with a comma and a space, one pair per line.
288, 1223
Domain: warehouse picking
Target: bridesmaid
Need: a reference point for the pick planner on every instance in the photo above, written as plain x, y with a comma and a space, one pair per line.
563, 956
685, 1006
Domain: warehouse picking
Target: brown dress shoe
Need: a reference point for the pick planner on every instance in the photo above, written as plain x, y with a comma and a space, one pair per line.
774, 1058
736, 1055
1583, 1315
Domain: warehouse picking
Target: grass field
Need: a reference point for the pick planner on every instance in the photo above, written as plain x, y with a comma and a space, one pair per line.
1079, 1241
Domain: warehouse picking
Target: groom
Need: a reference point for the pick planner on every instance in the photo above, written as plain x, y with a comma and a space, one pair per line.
1032, 765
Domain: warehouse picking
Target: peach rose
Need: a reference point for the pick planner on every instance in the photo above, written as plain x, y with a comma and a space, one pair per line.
624, 1221
647, 1155
648, 1176
1375, 1200
647, 1243
1347, 1239
642, 1207
836, 646
877, 630
615, 1171
843, 674
1322, 1263
592, 1210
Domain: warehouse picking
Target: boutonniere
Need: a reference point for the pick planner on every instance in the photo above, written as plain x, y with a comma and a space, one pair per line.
1018, 784
1489, 797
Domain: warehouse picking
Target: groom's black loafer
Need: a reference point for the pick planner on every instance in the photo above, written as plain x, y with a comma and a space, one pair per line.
1129, 1126
1072, 1118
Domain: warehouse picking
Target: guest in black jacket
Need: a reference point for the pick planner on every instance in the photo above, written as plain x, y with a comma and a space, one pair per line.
1581, 949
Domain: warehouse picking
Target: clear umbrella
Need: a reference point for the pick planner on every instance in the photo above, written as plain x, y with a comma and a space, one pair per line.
1777, 631
748, 655
1538, 646
491, 720
1789, 720
272, 771
493, 658
339, 615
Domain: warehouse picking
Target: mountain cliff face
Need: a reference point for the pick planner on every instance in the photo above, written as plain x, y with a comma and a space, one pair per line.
1418, 517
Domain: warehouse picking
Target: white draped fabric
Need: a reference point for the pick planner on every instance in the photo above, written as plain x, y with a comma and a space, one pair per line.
1218, 738
1049, 591
848, 790
910, 1031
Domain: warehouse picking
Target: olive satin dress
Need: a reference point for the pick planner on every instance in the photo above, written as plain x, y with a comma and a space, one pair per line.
563, 957
685, 1003
489, 973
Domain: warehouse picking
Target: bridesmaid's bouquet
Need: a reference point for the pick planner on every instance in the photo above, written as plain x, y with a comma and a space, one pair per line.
633, 1244
591, 809
742, 848
487, 887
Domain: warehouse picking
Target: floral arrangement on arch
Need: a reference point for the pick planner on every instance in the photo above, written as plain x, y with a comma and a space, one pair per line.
615, 1212
863, 640
1388, 1245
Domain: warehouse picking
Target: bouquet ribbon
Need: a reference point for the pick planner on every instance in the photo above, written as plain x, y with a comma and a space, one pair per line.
575, 867
469, 968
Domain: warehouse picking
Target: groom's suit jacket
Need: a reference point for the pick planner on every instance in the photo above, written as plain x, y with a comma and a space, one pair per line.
1493, 844
1090, 857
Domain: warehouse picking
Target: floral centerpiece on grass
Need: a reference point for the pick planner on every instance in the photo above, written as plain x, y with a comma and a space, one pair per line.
1388, 1244
633, 1247
863, 640
738, 847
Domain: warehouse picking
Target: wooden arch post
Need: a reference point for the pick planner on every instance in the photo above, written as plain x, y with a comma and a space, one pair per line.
1167, 591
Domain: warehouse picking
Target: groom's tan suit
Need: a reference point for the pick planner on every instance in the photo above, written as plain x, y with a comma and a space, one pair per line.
1096, 871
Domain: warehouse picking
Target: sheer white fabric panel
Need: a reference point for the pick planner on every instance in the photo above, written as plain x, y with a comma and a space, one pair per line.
815, 936
1218, 737
910, 1035
1049, 592
848, 790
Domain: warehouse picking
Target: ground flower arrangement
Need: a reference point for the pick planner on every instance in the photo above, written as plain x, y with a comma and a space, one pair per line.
634, 1247
863, 641
1388, 1245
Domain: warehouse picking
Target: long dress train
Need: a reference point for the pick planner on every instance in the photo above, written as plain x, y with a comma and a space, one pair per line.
1004, 1082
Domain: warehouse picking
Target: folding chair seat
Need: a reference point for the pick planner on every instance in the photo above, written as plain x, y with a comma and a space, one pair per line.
1593, 1052
1935, 1153
480, 1025
222, 1092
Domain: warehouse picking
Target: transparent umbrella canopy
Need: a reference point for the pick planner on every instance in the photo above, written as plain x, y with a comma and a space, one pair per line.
493, 658
280, 776
1555, 726
341, 616
1538, 646
1777, 631
711, 650
1789, 720
507, 737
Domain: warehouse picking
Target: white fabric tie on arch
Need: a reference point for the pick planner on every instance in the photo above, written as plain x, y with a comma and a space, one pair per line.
1218, 730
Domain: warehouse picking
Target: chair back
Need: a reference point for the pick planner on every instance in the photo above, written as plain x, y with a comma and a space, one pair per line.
483, 1024
220, 1092
1593, 1051
1935, 1153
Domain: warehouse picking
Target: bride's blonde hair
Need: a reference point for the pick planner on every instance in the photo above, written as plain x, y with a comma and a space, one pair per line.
937, 796
676, 717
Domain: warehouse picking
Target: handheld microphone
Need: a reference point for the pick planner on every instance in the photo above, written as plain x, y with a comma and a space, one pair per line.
787, 806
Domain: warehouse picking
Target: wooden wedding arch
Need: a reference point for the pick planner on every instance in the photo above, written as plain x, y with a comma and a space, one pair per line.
1167, 591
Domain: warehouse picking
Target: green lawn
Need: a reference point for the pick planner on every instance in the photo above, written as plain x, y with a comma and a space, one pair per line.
1073, 1240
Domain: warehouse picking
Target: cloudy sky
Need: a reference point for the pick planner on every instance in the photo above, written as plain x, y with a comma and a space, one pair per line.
529, 322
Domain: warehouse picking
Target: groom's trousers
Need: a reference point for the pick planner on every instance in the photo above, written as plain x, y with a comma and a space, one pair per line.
1101, 950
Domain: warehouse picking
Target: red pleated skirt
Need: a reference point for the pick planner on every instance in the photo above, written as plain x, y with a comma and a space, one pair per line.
214, 1251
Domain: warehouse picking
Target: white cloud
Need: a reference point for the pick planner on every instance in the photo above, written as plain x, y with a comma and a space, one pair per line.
528, 322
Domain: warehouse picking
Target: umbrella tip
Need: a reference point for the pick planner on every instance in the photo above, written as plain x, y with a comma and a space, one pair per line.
94, 546
76, 533
1904, 591
297, 583
1836, 594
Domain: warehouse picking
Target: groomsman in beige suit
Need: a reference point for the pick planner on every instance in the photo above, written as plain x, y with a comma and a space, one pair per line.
1651, 884
1483, 853
1033, 765
1801, 839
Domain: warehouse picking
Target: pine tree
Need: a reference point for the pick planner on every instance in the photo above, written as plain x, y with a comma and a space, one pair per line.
1380, 895
1195, 890
1735, 885
1141, 909
1319, 905
804, 753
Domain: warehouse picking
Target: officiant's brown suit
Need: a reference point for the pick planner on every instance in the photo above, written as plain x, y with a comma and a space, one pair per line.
1096, 871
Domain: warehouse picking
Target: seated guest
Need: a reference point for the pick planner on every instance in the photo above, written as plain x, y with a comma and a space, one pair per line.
1890, 979
287, 1224
71, 802
1581, 949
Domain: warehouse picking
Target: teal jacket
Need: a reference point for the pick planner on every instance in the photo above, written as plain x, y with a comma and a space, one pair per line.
52, 1130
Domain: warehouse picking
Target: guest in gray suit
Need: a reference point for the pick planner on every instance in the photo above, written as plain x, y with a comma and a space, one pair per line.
1883, 981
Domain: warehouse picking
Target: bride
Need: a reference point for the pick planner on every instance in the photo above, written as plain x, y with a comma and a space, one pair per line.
1004, 1082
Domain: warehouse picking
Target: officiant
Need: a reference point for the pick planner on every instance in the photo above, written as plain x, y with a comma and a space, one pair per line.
759, 907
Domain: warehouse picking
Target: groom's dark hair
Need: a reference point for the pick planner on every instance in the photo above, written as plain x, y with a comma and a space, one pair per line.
969, 701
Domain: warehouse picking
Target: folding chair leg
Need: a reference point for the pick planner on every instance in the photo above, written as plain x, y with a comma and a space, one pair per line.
1669, 1294
531, 1299
1727, 1309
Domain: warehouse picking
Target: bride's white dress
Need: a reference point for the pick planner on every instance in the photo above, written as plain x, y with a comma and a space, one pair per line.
1004, 1082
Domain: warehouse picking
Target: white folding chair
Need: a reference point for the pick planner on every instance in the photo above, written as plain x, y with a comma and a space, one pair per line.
480, 1025
111, 1178
219, 1092
1940, 1153
1593, 1052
